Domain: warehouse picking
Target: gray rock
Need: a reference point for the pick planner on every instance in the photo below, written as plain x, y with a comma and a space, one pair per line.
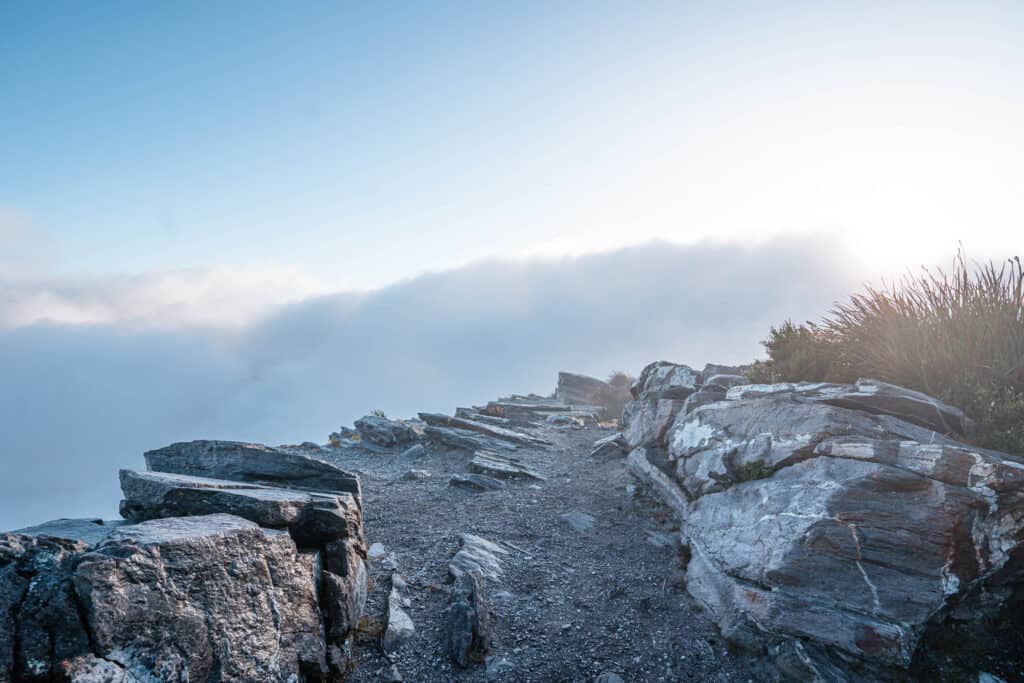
89, 530
415, 451
469, 620
376, 552
478, 555
254, 463
608, 677
563, 421
533, 409
476, 482
500, 466
725, 381
163, 600
391, 674
646, 421
576, 389
312, 518
400, 627
580, 521
464, 439
839, 536
488, 430
661, 484
416, 475
662, 379
384, 432
610, 447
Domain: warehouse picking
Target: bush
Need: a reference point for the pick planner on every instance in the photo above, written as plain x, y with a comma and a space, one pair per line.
958, 337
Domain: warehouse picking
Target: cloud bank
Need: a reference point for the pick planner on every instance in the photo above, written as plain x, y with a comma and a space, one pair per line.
81, 400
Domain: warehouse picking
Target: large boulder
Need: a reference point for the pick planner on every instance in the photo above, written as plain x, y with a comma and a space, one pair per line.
203, 598
254, 463
576, 389
663, 379
198, 598
383, 432
837, 525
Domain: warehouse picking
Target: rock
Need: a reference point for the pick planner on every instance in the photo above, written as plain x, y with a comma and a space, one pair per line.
163, 600
610, 447
872, 396
608, 677
661, 484
477, 416
89, 530
826, 526
391, 674
646, 420
579, 389
476, 482
580, 521
488, 430
416, 475
469, 620
463, 439
376, 552
399, 627
477, 555
725, 381
500, 466
384, 432
533, 409
415, 451
253, 463
312, 518
666, 380
564, 421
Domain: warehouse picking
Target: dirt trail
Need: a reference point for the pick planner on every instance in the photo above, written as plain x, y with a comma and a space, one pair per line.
571, 604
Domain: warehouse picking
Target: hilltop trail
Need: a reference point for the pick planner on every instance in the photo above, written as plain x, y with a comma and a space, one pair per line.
573, 602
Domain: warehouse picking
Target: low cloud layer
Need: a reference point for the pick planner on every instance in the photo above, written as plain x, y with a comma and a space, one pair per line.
80, 401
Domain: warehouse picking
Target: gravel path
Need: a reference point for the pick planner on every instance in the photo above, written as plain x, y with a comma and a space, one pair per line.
572, 603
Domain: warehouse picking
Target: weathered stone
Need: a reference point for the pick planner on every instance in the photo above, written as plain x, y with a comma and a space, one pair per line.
384, 432
488, 430
87, 530
608, 677
646, 421
872, 396
579, 521
564, 421
464, 439
576, 389
253, 463
203, 598
477, 555
725, 381
533, 409
500, 466
476, 482
399, 627
312, 518
661, 484
345, 586
839, 536
469, 620
609, 447
662, 379
415, 451
416, 475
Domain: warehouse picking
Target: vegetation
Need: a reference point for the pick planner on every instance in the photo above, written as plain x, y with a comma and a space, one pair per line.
958, 337
620, 379
377, 412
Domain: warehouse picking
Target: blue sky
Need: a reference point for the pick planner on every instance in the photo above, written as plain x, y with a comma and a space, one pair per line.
366, 143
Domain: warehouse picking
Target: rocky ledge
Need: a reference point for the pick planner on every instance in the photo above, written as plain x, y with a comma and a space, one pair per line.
843, 530
253, 572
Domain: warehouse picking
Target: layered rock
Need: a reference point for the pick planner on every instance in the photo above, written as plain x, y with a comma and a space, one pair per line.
833, 525
383, 432
576, 389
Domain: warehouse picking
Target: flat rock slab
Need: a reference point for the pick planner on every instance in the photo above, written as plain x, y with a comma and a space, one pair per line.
464, 439
312, 518
489, 430
253, 463
580, 521
88, 530
478, 555
502, 467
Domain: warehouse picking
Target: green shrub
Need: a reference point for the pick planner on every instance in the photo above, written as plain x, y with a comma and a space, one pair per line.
958, 337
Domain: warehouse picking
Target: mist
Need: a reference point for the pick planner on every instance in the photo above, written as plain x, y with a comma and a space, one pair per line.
79, 401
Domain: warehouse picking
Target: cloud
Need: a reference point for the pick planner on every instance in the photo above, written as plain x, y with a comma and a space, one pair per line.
215, 296
81, 400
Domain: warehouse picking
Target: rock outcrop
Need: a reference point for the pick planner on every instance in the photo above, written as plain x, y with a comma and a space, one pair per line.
576, 389
383, 432
831, 525
238, 562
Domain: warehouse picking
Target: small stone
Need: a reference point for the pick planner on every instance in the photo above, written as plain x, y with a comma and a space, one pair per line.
377, 551
608, 677
391, 674
415, 474
580, 521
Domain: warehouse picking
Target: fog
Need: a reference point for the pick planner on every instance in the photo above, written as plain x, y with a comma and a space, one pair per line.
79, 401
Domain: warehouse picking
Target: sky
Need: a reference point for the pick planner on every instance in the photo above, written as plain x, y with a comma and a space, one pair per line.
260, 221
